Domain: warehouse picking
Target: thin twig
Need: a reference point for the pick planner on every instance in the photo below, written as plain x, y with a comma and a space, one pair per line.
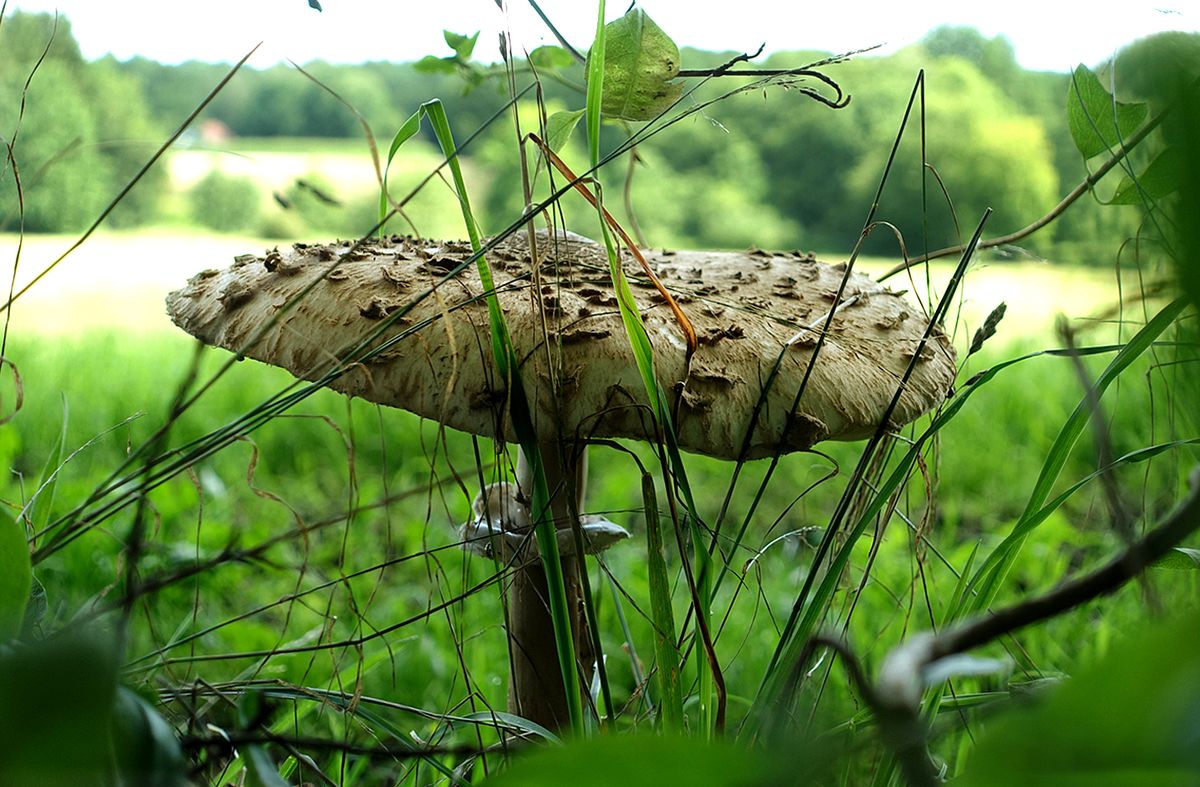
554, 30
1084, 187
901, 682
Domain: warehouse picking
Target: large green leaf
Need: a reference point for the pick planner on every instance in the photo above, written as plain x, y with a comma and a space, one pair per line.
1162, 176
16, 577
640, 66
1132, 719
147, 751
56, 712
1098, 122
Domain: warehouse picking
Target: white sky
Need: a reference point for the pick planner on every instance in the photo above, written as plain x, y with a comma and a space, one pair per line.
1047, 35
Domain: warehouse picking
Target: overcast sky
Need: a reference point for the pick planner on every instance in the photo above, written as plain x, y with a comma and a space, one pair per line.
1047, 35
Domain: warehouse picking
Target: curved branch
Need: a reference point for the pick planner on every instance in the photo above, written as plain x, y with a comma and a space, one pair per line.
900, 682
1073, 196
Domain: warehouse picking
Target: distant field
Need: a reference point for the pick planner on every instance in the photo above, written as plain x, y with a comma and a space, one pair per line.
340, 168
117, 281
275, 163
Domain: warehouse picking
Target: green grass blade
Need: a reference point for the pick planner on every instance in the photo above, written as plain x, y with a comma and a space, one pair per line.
39, 508
643, 352
16, 577
595, 86
670, 701
507, 363
407, 131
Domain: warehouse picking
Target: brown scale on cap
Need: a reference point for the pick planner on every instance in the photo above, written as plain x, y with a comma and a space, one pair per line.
749, 310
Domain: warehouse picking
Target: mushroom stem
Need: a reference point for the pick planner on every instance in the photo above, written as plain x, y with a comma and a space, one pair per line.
537, 691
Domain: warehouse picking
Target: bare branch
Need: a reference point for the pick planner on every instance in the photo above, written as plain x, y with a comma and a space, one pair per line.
1084, 187
900, 682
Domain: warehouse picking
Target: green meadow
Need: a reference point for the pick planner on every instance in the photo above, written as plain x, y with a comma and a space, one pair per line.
211, 573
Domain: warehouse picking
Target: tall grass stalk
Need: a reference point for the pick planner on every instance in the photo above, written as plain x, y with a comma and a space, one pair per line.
699, 576
508, 365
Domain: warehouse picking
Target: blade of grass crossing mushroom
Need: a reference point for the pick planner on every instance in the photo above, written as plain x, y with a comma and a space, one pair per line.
811, 605
708, 669
507, 363
685, 325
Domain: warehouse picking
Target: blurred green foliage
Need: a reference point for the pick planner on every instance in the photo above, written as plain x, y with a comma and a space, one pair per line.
1087, 732
226, 203
767, 169
82, 131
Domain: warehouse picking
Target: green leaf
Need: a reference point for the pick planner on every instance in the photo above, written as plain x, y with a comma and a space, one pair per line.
1131, 719
559, 127
551, 57
435, 65
406, 132
38, 507
1162, 176
512, 720
1180, 559
16, 577
640, 64
56, 712
147, 751
1098, 122
462, 45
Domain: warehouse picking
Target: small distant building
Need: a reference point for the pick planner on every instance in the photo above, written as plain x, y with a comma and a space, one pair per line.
214, 132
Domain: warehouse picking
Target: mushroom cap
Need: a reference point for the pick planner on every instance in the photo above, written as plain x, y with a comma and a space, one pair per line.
404, 334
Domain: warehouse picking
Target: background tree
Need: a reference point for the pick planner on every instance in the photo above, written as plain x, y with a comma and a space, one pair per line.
80, 135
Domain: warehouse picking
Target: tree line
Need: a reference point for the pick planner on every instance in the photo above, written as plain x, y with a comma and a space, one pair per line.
769, 168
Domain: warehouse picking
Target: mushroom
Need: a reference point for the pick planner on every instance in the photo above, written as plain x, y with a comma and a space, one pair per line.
395, 329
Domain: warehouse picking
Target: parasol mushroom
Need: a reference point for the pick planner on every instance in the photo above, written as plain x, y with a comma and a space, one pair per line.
363, 314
